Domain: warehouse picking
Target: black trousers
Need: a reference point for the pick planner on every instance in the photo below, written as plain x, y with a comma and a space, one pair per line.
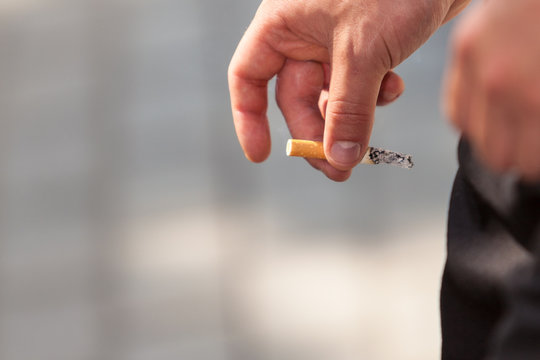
490, 295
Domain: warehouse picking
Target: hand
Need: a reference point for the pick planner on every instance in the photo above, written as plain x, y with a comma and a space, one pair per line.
493, 85
333, 61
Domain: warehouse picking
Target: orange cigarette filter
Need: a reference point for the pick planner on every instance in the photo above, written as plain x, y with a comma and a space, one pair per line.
305, 148
314, 150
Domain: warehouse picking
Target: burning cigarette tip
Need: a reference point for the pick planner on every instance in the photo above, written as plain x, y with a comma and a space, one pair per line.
382, 156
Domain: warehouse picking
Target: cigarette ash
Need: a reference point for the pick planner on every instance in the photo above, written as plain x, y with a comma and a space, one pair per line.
382, 156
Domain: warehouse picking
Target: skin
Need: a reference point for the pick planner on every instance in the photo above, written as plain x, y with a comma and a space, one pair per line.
333, 61
492, 91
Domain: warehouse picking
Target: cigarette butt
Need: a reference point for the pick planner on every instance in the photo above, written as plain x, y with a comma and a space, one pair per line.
314, 150
306, 149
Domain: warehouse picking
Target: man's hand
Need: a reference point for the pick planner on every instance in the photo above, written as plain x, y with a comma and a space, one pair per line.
493, 84
333, 60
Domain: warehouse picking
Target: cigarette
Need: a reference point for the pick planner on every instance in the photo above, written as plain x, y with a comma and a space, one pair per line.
314, 150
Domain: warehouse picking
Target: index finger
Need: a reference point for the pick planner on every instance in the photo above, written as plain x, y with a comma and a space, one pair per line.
253, 64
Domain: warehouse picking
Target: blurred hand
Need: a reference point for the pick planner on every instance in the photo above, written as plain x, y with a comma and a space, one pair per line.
493, 84
333, 61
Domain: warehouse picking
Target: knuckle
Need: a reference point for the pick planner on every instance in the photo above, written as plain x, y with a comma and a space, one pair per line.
465, 38
349, 113
496, 79
463, 43
233, 71
501, 81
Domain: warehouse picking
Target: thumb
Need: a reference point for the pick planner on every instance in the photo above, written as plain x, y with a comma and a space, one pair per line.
354, 88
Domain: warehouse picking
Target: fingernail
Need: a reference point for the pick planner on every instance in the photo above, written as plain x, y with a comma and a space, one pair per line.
345, 152
389, 96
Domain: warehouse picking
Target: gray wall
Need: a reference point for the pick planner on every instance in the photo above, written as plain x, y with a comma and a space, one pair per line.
132, 227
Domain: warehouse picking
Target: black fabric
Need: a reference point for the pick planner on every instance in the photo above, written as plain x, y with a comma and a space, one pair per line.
490, 294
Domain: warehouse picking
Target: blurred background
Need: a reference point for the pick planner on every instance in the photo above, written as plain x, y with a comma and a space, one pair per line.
132, 227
